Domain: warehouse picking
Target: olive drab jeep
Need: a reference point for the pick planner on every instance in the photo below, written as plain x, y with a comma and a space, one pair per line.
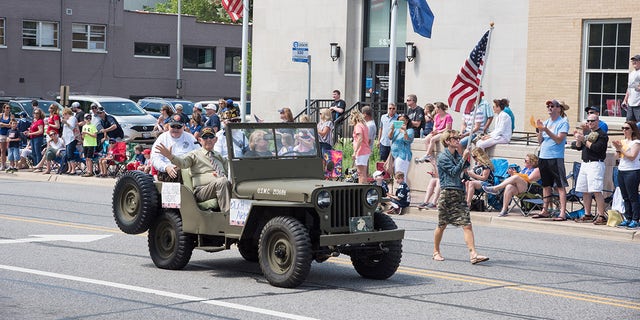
283, 214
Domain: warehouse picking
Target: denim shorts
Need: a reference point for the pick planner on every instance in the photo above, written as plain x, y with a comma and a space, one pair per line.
14, 154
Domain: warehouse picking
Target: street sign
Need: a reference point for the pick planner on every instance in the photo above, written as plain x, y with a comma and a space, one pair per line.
300, 52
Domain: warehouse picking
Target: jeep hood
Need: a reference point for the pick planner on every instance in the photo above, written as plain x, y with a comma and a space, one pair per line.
298, 190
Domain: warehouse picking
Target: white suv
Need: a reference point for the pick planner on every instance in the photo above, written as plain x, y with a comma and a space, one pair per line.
136, 123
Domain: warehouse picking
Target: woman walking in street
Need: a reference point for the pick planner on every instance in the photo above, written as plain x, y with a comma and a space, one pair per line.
452, 207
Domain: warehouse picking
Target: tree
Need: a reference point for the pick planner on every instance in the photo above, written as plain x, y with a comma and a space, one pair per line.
203, 10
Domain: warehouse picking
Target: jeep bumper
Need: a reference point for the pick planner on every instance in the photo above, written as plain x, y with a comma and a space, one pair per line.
361, 237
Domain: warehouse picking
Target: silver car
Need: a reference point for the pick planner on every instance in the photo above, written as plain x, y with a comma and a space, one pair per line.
136, 123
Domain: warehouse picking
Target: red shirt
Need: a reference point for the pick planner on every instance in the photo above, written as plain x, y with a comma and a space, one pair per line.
52, 120
34, 127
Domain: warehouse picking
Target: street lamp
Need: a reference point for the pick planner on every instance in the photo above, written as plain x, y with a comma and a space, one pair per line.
335, 51
411, 51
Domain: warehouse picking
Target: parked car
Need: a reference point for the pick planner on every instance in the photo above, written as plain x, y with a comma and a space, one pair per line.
236, 104
21, 104
153, 104
136, 123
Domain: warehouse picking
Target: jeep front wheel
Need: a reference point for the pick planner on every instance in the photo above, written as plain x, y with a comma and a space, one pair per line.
285, 252
169, 246
380, 265
134, 202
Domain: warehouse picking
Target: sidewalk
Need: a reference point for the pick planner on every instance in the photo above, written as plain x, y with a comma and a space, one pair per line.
514, 220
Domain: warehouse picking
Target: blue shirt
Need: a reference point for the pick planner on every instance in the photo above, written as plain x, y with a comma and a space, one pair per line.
401, 147
603, 125
513, 118
549, 149
450, 167
385, 124
402, 192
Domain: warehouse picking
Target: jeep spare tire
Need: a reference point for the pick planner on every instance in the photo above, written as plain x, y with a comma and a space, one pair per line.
135, 202
285, 252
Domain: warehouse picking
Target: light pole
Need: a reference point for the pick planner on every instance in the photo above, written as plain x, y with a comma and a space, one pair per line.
178, 51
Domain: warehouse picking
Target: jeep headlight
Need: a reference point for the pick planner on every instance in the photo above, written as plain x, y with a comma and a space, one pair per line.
372, 197
324, 199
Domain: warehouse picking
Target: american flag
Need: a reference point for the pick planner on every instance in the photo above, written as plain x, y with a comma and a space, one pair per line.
464, 92
234, 8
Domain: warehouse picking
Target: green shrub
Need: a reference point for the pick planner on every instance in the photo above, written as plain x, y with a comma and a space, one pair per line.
346, 146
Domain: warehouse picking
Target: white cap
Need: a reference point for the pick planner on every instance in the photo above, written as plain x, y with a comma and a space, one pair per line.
378, 173
211, 106
75, 105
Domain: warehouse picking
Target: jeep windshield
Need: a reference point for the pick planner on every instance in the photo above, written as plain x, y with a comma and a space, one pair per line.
274, 142
122, 108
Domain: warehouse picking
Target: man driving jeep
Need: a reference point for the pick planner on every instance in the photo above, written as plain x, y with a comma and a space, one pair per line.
208, 169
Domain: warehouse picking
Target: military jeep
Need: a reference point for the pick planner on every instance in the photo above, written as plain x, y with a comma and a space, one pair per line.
283, 213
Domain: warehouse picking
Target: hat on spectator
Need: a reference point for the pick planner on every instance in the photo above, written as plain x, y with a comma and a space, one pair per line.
592, 108
636, 57
229, 102
179, 106
207, 131
93, 105
211, 106
175, 120
75, 105
557, 103
378, 173
146, 151
112, 140
87, 116
100, 109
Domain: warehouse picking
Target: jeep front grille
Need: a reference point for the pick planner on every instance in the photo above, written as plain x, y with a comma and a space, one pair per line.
346, 203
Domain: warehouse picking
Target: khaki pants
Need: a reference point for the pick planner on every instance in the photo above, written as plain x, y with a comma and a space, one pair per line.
219, 188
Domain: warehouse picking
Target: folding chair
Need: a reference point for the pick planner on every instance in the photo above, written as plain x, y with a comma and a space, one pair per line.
573, 195
529, 200
119, 163
609, 198
500, 167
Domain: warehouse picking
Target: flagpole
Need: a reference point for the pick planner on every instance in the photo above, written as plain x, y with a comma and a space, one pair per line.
484, 66
392, 55
243, 70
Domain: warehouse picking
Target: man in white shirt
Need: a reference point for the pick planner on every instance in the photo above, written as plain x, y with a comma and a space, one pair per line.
386, 121
179, 142
632, 98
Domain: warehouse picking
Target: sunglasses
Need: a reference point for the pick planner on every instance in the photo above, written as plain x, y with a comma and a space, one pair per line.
626, 128
208, 136
591, 120
176, 126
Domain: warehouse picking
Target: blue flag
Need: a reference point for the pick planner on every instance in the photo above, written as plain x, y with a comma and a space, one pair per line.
421, 17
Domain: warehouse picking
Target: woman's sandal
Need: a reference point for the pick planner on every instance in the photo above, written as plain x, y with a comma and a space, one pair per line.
478, 258
586, 218
541, 216
437, 256
600, 220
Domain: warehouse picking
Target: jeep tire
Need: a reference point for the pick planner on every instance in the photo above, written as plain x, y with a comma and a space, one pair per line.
249, 249
169, 246
285, 252
382, 265
135, 202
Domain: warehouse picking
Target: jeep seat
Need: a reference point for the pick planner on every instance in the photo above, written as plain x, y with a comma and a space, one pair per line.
211, 204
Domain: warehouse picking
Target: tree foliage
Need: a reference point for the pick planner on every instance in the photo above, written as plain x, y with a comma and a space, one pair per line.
203, 10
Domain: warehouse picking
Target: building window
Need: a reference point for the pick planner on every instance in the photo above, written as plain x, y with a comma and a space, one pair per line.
378, 23
151, 49
232, 60
89, 36
606, 66
2, 43
42, 34
199, 58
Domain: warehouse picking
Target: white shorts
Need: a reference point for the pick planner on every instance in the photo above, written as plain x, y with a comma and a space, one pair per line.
400, 165
591, 177
362, 160
3, 138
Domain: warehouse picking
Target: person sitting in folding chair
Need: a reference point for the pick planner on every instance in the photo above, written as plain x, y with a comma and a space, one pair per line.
517, 183
591, 177
481, 173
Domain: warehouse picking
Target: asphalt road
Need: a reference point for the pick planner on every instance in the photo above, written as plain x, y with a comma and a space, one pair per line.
102, 273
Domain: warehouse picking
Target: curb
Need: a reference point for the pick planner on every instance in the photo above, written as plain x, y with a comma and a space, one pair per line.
59, 178
520, 222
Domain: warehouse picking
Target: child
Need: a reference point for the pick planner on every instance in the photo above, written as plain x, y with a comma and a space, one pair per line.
104, 162
145, 166
89, 143
287, 144
138, 158
378, 177
14, 146
402, 198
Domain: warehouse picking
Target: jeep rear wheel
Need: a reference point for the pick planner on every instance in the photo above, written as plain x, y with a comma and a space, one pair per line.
285, 252
169, 246
381, 265
134, 202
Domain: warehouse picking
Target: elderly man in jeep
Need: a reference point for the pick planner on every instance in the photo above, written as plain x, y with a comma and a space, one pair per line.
208, 169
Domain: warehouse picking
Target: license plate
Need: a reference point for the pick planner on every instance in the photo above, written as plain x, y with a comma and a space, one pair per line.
361, 224
146, 135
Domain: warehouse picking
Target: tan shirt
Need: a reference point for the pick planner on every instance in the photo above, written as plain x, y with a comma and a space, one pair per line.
201, 167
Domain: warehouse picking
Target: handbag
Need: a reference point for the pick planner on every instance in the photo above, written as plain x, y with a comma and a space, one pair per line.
389, 165
614, 219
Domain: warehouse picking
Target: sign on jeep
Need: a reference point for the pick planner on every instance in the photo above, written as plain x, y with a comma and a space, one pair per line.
283, 214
